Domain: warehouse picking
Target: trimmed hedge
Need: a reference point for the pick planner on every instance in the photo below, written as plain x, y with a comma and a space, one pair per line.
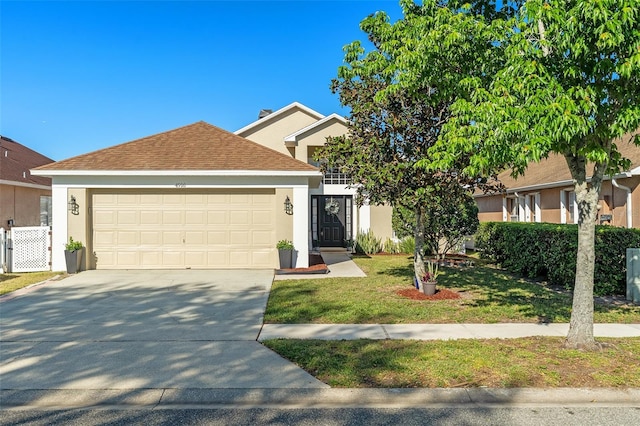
549, 251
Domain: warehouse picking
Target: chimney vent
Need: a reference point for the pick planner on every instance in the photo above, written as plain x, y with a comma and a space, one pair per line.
264, 112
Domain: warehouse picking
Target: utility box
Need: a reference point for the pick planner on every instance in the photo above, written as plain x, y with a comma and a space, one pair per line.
633, 274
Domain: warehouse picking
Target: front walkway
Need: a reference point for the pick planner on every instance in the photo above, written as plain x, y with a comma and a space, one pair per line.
339, 263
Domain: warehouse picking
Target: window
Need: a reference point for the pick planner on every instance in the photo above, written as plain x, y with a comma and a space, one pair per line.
45, 210
334, 177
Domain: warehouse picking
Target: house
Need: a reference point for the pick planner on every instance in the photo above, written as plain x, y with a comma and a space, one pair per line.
25, 199
202, 197
545, 193
298, 131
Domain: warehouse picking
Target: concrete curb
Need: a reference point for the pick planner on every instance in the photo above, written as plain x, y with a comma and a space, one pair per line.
319, 398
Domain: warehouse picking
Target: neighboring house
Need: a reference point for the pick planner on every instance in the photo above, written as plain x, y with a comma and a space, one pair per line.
194, 197
25, 200
545, 194
298, 131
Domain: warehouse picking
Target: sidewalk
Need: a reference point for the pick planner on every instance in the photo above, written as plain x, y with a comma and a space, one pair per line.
433, 331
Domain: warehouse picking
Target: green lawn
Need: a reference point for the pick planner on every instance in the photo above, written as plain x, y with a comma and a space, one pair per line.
537, 362
13, 282
489, 295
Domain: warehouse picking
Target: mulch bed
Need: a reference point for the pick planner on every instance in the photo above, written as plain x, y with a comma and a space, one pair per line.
316, 266
415, 294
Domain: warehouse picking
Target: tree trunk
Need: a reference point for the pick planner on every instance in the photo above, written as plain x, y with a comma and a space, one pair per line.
418, 255
580, 334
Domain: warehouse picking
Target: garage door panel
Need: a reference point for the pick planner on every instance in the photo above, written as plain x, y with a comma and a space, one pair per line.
262, 238
195, 237
195, 217
217, 217
239, 238
239, 217
127, 258
172, 217
218, 237
150, 259
206, 229
128, 238
150, 217
171, 238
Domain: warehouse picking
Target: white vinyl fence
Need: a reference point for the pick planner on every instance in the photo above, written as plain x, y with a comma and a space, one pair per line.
3, 251
26, 249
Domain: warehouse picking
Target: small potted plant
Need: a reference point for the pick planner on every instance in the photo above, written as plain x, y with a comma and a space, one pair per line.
285, 253
73, 255
430, 278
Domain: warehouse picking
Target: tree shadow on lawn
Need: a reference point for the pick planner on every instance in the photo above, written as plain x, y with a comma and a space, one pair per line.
517, 297
299, 302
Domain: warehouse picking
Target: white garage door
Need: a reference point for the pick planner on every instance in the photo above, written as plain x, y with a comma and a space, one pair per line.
154, 229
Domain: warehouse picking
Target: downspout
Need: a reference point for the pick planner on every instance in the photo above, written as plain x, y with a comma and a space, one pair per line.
629, 209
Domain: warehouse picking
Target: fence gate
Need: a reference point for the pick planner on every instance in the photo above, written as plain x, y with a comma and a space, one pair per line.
30, 249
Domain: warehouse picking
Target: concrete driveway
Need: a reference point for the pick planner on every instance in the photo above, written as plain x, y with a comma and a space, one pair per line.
143, 330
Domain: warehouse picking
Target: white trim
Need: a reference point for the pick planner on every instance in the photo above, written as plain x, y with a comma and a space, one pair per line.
59, 229
24, 185
292, 139
538, 209
288, 173
505, 211
277, 113
563, 206
364, 219
301, 226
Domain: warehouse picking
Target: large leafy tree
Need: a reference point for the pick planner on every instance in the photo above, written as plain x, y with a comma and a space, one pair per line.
570, 85
391, 128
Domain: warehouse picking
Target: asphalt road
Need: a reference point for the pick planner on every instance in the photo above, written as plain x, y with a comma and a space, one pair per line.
565, 416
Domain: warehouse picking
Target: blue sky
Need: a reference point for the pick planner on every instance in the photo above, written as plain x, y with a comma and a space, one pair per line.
77, 76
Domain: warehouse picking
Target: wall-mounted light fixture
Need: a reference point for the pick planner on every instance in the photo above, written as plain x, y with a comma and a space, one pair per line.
288, 207
73, 206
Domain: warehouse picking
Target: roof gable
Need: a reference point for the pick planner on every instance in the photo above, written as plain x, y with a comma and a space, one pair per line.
195, 147
294, 137
277, 114
16, 160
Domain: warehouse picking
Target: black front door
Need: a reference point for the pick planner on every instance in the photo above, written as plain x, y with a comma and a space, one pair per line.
334, 219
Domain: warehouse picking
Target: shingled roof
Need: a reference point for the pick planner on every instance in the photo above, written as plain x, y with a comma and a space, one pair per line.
555, 169
16, 160
198, 146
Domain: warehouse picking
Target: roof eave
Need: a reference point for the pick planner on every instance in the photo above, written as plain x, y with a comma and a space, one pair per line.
298, 173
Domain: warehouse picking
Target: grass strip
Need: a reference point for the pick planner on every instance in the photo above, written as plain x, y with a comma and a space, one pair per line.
534, 362
13, 282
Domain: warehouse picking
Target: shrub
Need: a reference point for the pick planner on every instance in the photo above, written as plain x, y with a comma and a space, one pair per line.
73, 245
407, 245
391, 247
549, 251
367, 243
284, 245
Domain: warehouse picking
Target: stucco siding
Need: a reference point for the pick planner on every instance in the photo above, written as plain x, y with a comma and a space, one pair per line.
22, 204
381, 221
271, 133
490, 208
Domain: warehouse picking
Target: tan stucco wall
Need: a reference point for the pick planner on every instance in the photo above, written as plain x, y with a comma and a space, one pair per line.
21, 204
615, 201
550, 205
284, 222
318, 137
381, 221
78, 226
271, 133
490, 208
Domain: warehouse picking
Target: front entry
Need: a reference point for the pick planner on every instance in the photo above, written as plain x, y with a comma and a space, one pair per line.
331, 219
